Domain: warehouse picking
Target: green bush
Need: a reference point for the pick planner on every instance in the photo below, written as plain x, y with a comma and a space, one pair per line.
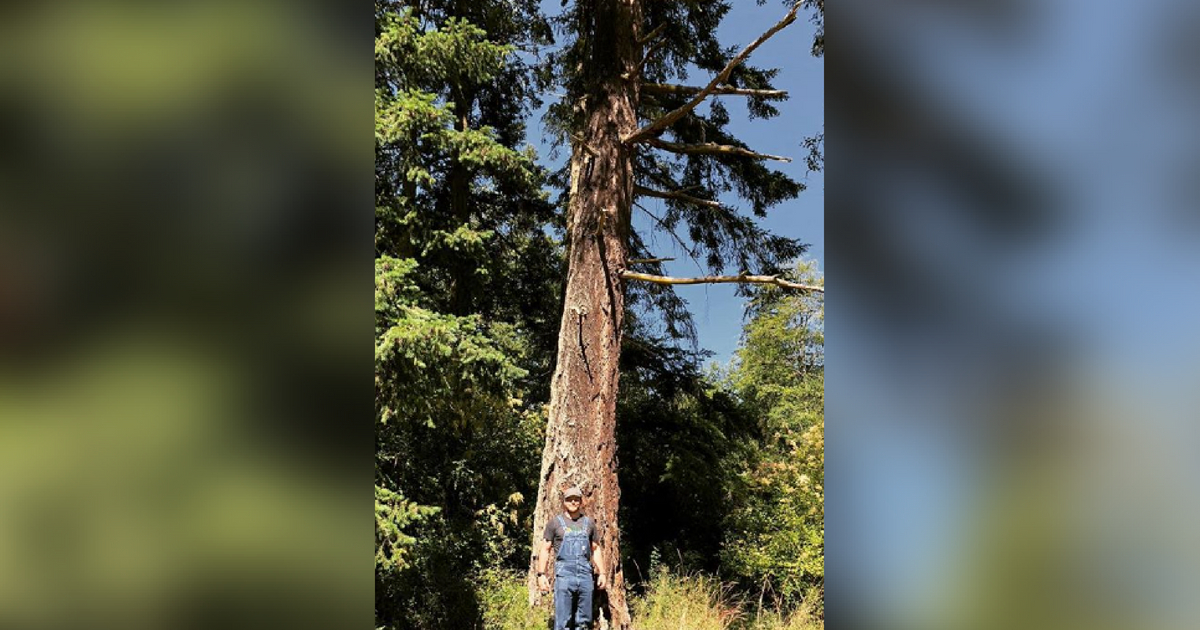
775, 523
504, 603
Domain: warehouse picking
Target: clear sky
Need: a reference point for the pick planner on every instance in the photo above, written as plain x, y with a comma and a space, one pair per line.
716, 308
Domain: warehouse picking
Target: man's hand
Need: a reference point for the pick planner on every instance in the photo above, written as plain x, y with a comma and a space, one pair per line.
601, 582
543, 584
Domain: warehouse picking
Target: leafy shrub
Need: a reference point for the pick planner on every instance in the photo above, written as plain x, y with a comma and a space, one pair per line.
775, 528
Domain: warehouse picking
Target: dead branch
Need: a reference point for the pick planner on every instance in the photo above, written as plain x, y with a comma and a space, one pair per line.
662, 194
658, 45
682, 245
643, 40
710, 148
669, 119
670, 88
742, 279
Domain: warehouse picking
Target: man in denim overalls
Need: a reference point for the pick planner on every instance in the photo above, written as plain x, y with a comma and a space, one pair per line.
574, 536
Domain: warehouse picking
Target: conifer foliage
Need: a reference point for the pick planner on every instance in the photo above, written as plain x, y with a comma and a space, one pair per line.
460, 218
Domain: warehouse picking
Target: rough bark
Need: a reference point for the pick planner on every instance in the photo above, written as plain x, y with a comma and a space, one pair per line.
581, 446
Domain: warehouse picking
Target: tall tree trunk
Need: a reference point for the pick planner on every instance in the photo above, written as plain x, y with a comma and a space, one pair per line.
581, 446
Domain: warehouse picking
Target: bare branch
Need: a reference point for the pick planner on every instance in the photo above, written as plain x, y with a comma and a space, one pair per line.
743, 279
668, 88
662, 194
682, 245
669, 119
638, 261
710, 148
654, 48
643, 40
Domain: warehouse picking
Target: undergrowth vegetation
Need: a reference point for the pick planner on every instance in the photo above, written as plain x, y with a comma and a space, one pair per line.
670, 601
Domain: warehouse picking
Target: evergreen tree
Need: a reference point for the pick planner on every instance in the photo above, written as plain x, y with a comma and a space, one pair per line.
632, 133
466, 287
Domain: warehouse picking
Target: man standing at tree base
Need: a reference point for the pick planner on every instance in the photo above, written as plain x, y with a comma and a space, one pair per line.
577, 558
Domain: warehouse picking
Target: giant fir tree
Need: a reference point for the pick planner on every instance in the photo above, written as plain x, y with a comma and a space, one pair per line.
633, 132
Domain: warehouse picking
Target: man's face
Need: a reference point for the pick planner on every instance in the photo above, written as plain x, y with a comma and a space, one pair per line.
572, 504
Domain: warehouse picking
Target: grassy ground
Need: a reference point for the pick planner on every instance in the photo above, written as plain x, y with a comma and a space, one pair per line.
671, 602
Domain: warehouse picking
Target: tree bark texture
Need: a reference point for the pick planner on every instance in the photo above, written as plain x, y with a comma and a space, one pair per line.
581, 432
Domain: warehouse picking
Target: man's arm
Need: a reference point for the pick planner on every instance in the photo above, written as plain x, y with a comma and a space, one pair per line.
543, 558
598, 567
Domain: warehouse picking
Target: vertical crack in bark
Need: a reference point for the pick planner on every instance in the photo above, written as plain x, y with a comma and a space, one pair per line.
611, 290
583, 346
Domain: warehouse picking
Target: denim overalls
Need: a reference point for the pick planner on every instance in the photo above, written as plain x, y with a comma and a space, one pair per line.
573, 577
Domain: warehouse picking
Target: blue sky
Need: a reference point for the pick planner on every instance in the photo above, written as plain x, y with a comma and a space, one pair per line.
716, 308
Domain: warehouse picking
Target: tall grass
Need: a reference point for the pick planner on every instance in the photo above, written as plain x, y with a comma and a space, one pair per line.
771, 619
700, 602
670, 602
694, 602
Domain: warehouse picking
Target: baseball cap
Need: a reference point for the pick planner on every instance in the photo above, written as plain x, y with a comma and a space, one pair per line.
573, 491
